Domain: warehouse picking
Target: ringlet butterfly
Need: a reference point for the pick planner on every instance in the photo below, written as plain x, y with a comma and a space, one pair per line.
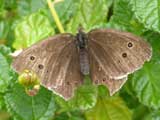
107, 55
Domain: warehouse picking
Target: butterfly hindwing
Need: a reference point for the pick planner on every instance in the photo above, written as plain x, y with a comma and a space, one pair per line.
99, 76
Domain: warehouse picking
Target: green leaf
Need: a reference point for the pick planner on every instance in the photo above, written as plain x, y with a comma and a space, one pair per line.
10, 4
1, 5
148, 13
2, 103
103, 91
26, 7
33, 28
140, 112
61, 116
6, 33
85, 97
23, 107
31, 6
5, 51
68, 11
154, 115
128, 95
109, 108
145, 82
75, 115
4, 115
5, 77
90, 13
8, 15
3, 31
5, 71
123, 18
62, 104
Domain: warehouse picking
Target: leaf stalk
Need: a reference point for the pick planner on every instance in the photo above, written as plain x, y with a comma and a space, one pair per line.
55, 15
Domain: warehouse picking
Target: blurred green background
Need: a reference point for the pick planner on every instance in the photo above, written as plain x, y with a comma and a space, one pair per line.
24, 22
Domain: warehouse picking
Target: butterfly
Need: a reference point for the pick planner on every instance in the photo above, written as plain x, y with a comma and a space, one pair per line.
108, 56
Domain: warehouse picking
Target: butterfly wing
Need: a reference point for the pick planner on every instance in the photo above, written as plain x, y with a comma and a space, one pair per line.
99, 76
67, 88
117, 53
54, 60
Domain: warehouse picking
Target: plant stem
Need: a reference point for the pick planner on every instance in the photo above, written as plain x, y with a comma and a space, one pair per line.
55, 16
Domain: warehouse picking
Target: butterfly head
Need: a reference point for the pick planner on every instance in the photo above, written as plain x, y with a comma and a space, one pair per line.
81, 39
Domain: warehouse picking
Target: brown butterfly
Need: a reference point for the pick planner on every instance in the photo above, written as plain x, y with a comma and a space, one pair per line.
61, 61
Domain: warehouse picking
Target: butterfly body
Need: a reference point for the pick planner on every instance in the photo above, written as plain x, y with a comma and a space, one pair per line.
107, 55
81, 39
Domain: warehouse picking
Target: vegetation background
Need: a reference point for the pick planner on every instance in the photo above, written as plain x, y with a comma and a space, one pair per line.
24, 22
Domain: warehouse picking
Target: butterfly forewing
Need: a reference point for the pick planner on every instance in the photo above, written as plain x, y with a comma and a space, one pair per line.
54, 60
117, 53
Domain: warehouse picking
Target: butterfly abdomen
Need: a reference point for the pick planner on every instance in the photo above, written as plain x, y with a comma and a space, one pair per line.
84, 61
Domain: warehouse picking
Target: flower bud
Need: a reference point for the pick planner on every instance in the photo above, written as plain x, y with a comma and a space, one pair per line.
30, 81
28, 78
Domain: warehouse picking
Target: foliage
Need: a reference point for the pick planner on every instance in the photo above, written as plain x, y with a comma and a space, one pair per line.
105, 108
24, 22
23, 107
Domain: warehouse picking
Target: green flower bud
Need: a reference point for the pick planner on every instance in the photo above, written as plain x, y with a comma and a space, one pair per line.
30, 81
28, 78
